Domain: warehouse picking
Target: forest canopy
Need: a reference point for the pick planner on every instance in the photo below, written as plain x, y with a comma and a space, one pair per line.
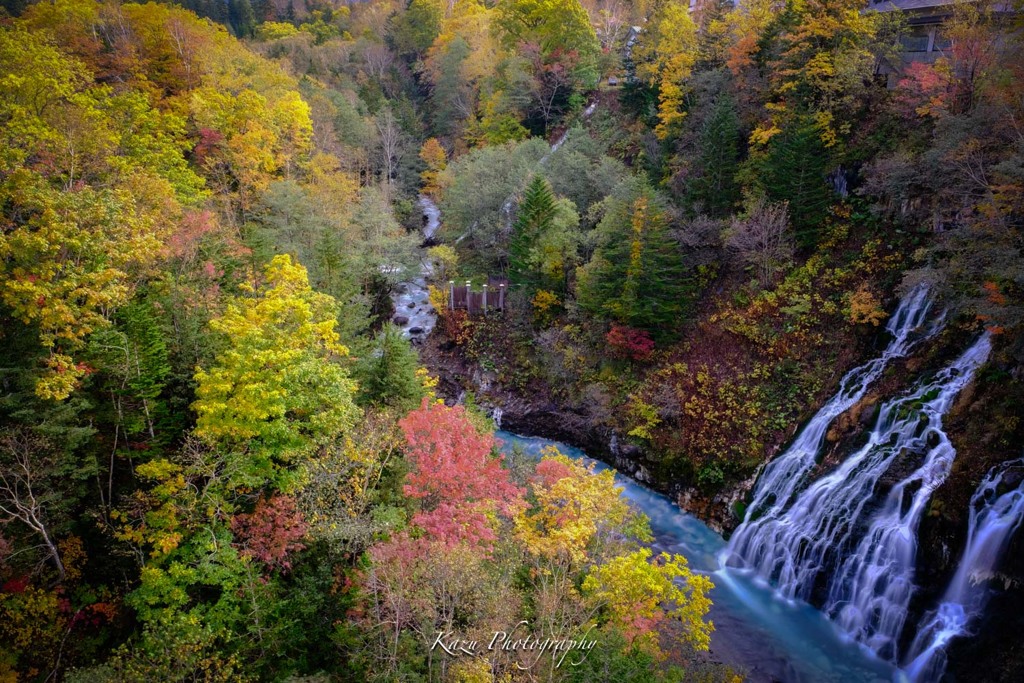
227, 455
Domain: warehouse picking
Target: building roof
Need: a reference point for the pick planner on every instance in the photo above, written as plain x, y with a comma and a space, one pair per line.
915, 5
907, 5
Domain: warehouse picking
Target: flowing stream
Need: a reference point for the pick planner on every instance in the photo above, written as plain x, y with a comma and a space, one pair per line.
413, 312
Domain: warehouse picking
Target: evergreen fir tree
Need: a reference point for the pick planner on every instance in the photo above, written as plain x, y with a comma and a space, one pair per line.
217, 10
242, 18
14, 7
536, 215
387, 375
715, 187
637, 276
449, 87
794, 171
263, 10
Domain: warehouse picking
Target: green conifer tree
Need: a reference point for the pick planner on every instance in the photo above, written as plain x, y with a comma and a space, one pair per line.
637, 276
715, 187
794, 171
242, 18
387, 376
536, 215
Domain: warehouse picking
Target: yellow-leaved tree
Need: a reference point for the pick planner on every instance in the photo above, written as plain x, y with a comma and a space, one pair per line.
636, 594
577, 512
665, 54
81, 228
434, 156
277, 388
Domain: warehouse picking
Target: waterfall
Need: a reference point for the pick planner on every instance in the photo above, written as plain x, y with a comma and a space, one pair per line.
872, 588
994, 517
783, 476
791, 543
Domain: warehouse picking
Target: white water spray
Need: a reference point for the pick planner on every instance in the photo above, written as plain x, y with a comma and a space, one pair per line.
795, 546
994, 517
784, 475
871, 589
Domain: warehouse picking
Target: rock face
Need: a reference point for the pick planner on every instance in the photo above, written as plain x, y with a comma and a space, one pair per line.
721, 512
858, 416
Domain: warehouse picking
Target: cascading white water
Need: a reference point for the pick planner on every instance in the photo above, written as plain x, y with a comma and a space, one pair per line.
796, 545
783, 476
871, 589
994, 517
413, 312
793, 545
432, 214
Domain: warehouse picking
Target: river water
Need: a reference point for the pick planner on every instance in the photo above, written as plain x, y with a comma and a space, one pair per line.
772, 639
413, 312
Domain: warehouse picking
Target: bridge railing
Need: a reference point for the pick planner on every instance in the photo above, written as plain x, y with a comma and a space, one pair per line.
488, 298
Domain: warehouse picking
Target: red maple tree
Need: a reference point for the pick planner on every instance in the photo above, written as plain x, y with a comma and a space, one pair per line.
459, 482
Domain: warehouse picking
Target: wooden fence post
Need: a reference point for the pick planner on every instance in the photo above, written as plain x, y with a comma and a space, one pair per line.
485, 299
469, 300
501, 297
451, 295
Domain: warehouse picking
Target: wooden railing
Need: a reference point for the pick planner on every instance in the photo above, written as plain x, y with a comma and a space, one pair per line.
488, 298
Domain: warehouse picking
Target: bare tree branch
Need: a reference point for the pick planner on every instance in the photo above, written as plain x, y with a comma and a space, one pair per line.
23, 456
761, 239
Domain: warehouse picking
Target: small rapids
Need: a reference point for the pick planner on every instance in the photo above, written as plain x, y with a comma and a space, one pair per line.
413, 312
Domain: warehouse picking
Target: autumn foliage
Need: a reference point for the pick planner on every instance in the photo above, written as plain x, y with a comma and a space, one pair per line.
271, 532
459, 482
208, 465
576, 510
634, 590
630, 343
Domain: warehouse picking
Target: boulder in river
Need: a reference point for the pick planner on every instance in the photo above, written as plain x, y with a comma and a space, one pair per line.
415, 330
400, 320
